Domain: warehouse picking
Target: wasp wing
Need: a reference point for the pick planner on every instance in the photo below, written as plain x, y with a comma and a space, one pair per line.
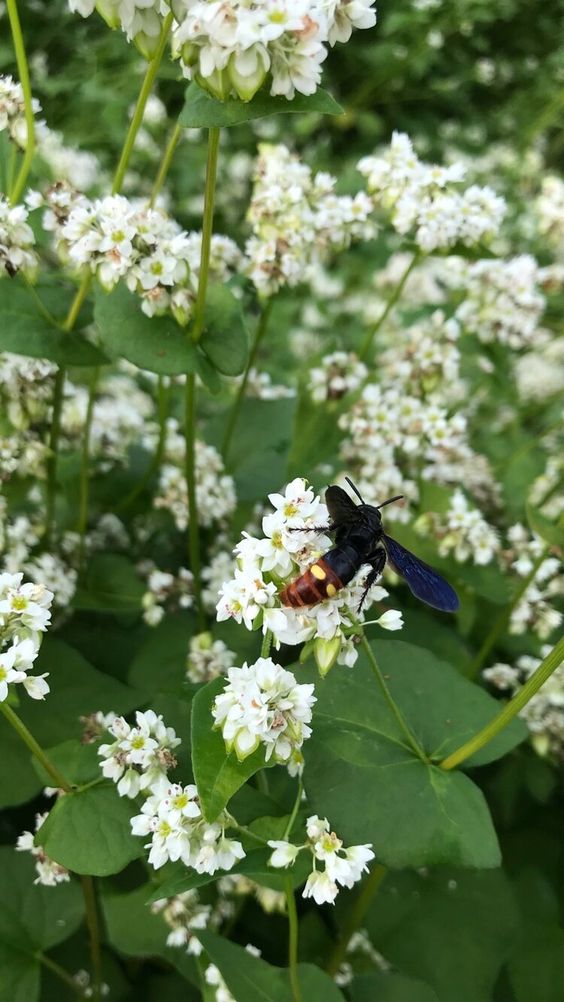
423, 581
341, 507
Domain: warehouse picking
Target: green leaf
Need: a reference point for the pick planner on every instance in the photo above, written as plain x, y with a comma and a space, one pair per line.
390, 988
89, 831
549, 531
361, 773
18, 779
78, 763
111, 584
157, 344
24, 330
132, 926
216, 774
252, 979
202, 111
33, 917
536, 967
451, 928
20, 975
160, 662
225, 339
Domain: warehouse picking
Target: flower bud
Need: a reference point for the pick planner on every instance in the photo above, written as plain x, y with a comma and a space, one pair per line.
326, 652
109, 10
217, 84
246, 85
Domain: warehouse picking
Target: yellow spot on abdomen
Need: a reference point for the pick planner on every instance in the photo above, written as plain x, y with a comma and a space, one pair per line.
331, 590
318, 572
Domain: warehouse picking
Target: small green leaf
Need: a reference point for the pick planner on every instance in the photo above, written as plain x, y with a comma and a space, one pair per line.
551, 532
157, 344
78, 763
133, 928
217, 775
89, 831
25, 331
225, 340
202, 111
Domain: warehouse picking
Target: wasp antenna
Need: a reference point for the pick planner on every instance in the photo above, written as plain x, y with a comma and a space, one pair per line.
398, 497
355, 489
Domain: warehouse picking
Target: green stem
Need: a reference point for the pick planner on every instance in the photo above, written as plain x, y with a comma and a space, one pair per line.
207, 230
165, 163
154, 465
510, 710
414, 744
190, 474
247, 831
60, 973
35, 749
293, 930
295, 809
23, 71
266, 644
367, 343
356, 916
260, 331
499, 625
92, 922
137, 119
84, 482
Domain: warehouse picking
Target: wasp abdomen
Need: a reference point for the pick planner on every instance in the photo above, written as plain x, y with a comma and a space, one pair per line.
323, 579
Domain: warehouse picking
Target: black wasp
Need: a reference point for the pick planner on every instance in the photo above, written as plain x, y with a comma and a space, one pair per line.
360, 539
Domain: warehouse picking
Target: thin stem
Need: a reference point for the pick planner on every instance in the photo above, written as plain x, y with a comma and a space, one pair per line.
35, 749
84, 481
60, 972
510, 710
154, 465
295, 809
23, 71
390, 700
499, 625
367, 343
266, 644
247, 831
190, 474
260, 331
165, 163
207, 230
144, 93
356, 916
292, 939
92, 922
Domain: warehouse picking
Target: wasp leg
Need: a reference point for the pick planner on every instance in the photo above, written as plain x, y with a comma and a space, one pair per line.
313, 528
377, 561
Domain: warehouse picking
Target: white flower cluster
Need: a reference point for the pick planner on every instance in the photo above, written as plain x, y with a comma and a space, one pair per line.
16, 240
141, 20
502, 301
178, 831
539, 374
12, 111
26, 389
425, 359
340, 372
240, 886
117, 238
341, 866
546, 491
535, 610
422, 201
185, 915
207, 658
544, 713
549, 207
462, 531
260, 385
229, 46
215, 489
297, 220
264, 566
140, 756
165, 591
49, 873
263, 704
24, 616
121, 414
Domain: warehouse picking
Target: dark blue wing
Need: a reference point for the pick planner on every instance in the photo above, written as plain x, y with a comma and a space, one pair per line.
341, 507
423, 581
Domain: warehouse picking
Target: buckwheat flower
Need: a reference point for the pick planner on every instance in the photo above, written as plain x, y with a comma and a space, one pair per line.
502, 301
535, 610
263, 703
140, 756
49, 873
215, 490
339, 373
544, 713
16, 240
207, 658
24, 608
549, 207
284, 854
463, 531
391, 620
184, 914
12, 110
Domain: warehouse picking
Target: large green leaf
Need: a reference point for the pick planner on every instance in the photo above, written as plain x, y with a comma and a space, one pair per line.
252, 979
157, 344
536, 967
225, 338
111, 584
390, 988
89, 831
202, 111
452, 929
24, 330
34, 917
362, 774
18, 779
20, 975
217, 775
160, 662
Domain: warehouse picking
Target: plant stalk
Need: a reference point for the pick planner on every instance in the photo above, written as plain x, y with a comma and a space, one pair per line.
23, 70
293, 931
396, 293
404, 726
260, 331
35, 748
155, 463
295, 809
164, 166
356, 916
551, 662
84, 483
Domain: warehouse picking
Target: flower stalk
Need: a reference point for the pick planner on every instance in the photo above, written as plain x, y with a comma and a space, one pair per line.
260, 331
396, 293
23, 70
293, 932
35, 748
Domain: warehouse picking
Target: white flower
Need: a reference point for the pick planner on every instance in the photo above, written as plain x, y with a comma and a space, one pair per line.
48, 872
284, 853
141, 756
321, 888
391, 620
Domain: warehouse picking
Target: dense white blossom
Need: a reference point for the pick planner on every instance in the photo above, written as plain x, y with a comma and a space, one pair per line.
16, 240
49, 873
165, 592
462, 531
549, 207
535, 609
12, 110
341, 866
140, 756
185, 915
339, 373
215, 489
207, 658
24, 616
544, 712
502, 301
